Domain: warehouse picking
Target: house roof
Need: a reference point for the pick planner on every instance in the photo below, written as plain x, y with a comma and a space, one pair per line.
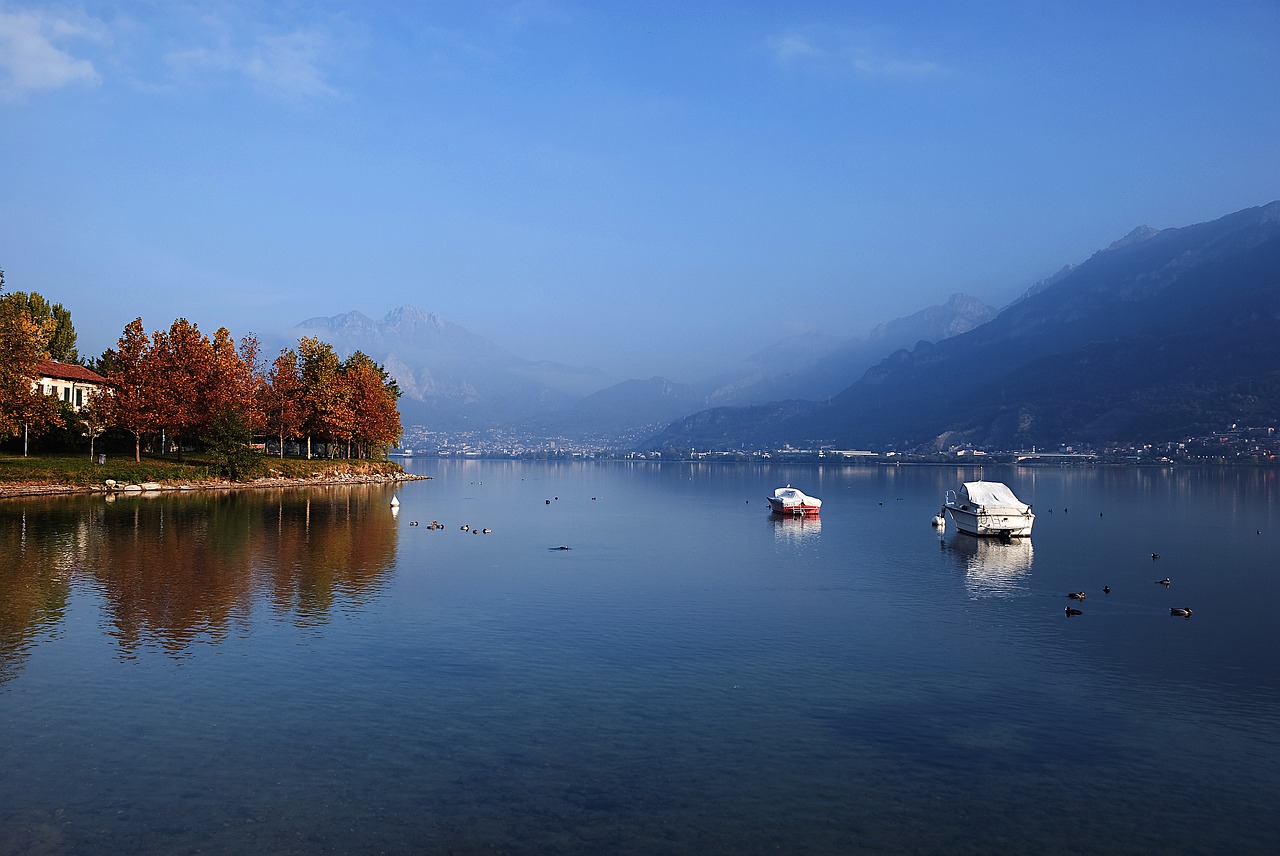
68, 371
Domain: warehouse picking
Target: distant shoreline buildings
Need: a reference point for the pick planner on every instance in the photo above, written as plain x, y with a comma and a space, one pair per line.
1234, 445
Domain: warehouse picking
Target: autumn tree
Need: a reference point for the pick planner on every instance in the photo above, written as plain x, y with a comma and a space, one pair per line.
323, 397
54, 320
233, 380
181, 357
281, 398
22, 346
130, 373
372, 396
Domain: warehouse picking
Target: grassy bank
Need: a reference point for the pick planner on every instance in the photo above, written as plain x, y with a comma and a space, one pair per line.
79, 471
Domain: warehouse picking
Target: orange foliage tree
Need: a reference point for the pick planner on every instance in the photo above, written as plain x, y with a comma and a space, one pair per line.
281, 398
130, 403
181, 382
323, 398
23, 342
372, 396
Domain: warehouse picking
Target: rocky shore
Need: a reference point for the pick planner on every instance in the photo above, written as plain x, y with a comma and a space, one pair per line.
112, 487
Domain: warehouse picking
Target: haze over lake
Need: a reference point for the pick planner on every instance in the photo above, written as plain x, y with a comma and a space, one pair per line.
307, 672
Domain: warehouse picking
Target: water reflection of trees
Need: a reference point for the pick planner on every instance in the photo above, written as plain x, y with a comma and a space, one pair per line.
175, 570
34, 587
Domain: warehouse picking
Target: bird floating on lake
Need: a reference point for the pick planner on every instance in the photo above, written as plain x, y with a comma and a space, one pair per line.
1076, 595
1163, 582
1106, 589
1182, 611
1072, 611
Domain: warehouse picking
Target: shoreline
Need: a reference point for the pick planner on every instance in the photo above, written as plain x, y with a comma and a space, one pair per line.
18, 490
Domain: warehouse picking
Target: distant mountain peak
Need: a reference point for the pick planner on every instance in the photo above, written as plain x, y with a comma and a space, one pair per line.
409, 316
346, 321
1139, 234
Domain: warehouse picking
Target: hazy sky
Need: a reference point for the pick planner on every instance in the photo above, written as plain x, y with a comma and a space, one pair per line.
644, 187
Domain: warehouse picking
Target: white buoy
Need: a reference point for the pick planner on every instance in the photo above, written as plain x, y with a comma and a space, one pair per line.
395, 502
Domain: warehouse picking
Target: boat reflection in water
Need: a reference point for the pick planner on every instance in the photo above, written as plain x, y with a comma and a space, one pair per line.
992, 567
795, 529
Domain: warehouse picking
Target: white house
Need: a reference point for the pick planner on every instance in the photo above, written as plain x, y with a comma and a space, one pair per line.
70, 382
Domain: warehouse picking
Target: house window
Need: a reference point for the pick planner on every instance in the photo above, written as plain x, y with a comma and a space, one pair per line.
66, 394
79, 398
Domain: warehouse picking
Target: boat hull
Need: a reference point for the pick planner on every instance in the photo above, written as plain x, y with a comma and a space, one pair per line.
799, 510
985, 525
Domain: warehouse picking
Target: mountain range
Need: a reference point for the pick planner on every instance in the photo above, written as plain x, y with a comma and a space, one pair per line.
453, 379
1164, 333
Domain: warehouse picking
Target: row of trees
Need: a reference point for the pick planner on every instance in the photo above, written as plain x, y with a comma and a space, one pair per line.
188, 388
185, 389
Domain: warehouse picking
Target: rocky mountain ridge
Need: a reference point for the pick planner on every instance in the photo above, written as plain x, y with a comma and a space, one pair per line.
1164, 332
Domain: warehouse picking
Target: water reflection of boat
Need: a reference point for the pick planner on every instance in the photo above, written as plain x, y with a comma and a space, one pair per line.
792, 502
992, 568
795, 528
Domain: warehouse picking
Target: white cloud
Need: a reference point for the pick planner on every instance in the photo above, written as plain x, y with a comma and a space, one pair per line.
837, 50
289, 66
790, 48
871, 64
31, 59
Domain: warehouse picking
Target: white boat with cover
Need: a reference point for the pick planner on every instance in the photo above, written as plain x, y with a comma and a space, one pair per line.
792, 502
988, 508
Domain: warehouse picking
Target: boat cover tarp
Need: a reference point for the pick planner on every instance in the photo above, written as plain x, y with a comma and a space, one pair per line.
993, 495
789, 496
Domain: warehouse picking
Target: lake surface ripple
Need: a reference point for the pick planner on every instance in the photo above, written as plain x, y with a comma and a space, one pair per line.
308, 672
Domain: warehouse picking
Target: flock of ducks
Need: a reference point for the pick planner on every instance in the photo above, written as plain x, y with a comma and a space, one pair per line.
466, 527
1177, 611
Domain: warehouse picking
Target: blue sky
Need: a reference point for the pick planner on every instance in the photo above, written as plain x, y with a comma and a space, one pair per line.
644, 187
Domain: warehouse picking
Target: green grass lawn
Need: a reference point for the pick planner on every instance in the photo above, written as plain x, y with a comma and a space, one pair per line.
79, 470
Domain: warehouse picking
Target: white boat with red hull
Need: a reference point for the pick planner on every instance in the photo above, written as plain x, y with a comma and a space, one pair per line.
792, 502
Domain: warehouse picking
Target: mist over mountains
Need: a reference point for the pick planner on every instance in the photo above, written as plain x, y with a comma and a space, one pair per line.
453, 379
450, 377
1164, 333
1160, 334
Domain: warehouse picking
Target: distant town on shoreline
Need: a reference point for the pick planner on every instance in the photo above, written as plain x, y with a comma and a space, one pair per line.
1235, 444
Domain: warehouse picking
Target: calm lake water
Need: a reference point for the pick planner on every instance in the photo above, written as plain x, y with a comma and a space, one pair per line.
303, 672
